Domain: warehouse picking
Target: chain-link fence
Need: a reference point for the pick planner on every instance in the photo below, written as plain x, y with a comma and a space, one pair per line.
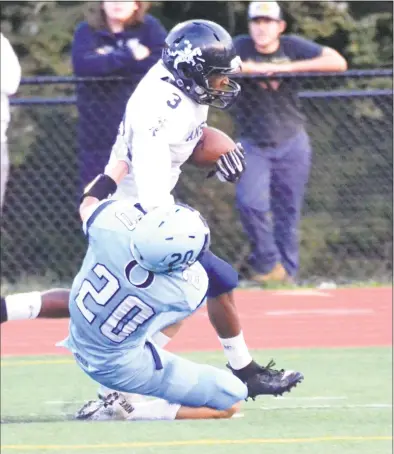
346, 228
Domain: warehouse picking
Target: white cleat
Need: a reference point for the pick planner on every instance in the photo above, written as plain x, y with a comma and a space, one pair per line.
115, 407
94, 410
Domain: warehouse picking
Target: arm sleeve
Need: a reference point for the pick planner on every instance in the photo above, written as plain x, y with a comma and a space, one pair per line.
303, 49
10, 68
87, 62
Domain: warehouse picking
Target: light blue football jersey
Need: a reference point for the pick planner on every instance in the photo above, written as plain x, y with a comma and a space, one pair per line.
115, 305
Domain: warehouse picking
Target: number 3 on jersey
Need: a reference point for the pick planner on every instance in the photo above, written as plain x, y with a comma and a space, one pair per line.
174, 101
128, 315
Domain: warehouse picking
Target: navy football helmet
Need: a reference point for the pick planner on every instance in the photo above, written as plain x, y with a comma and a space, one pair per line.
196, 50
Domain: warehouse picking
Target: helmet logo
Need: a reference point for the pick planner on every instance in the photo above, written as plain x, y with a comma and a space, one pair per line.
186, 55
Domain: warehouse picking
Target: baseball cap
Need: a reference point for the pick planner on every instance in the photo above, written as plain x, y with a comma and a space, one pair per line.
271, 10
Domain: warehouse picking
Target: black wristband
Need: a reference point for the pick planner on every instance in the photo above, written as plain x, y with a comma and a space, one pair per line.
102, 187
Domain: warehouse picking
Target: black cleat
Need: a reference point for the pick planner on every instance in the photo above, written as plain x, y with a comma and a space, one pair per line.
266, 380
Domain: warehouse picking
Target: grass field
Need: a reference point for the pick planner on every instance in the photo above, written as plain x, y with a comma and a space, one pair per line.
344, 405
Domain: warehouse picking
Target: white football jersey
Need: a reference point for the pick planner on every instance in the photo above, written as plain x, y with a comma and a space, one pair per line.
159, 132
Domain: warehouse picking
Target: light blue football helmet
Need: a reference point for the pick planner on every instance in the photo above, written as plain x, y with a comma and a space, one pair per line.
170, 238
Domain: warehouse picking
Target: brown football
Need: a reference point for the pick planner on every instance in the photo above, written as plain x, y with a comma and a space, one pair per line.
213, 144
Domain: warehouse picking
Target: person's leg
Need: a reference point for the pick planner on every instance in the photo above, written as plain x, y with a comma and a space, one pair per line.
160, 339
116, 406
222, 310
253, 203
289, 178
223, 314
178, 380
181, 384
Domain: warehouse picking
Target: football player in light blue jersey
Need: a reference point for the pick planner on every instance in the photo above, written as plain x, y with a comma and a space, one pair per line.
140, 274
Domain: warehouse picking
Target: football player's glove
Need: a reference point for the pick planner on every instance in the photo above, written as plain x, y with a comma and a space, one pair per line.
230, 166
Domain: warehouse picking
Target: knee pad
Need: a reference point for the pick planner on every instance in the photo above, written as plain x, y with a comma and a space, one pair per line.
223, 278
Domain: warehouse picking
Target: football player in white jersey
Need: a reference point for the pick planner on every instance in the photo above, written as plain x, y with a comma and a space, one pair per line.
162, 124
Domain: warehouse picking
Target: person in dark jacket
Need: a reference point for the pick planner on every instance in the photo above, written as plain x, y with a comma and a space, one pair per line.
118, 39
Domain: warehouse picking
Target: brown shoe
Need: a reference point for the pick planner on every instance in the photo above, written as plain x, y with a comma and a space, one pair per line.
277, 274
